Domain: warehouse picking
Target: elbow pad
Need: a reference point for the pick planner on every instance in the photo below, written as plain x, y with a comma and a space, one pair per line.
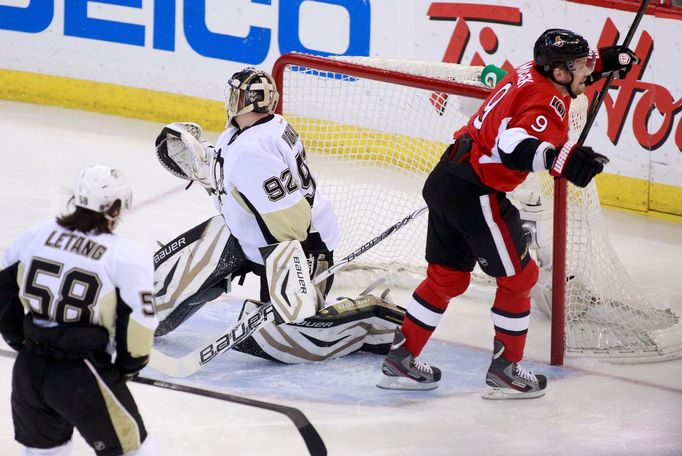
528, 155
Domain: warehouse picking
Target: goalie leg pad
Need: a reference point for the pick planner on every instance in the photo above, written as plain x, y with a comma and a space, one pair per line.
193, 269
541, 294
367, 323
292, 293
187, 308
535, 212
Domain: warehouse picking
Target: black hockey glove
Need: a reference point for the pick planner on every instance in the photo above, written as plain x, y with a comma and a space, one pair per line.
130, 367
130, 375
577, 164
613, 58
15, 344
12, 318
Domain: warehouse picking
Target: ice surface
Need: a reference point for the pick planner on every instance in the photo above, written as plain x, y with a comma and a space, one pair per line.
590, 407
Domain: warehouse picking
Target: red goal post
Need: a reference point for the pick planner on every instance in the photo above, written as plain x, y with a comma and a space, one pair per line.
379, 74
373, 129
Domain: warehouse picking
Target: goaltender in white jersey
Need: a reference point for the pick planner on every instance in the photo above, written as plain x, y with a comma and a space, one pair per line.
260, 181
266, 191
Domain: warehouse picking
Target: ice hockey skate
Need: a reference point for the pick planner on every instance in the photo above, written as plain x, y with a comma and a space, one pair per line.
507, 380
401, 371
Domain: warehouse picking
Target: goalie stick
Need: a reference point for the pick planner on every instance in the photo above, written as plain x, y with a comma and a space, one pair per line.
292, 297
312, 439
368, 245
236, 333
560, 196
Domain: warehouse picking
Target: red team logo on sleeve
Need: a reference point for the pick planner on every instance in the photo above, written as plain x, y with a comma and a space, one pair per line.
559, 106
525, 105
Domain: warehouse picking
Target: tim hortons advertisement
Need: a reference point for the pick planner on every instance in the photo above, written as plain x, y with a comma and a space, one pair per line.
640, 125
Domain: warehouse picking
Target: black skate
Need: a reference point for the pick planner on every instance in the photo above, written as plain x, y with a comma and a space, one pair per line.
507, 380
400, 371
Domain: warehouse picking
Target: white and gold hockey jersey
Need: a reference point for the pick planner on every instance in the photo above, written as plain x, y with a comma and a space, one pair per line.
65, 277
265, 189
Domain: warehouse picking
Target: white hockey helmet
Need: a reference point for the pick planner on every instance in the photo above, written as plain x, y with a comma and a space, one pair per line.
98, 187
258, 90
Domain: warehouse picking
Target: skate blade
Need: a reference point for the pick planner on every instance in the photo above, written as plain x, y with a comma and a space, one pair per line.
508, 393
404, 384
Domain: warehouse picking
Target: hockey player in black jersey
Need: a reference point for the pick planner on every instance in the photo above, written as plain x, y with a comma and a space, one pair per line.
76, 303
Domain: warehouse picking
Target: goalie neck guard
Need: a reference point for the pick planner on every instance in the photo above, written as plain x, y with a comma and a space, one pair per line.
255, 88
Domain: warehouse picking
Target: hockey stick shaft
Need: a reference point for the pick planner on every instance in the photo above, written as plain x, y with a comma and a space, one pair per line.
599, 97
310, 435
248, 324
341, 264
312, 439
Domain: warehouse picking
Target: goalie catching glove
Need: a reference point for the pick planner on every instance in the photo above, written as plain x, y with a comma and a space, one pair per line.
180, 151
577, 164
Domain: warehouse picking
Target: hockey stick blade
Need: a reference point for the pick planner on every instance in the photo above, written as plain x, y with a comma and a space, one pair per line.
312, 439
341, 264
236, 333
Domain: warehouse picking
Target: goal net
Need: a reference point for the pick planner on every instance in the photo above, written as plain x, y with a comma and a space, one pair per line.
374, 128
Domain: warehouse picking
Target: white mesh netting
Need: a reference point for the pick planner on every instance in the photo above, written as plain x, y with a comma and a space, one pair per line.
371, 144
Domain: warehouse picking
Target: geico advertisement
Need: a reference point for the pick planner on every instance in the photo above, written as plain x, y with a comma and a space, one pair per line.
191, 47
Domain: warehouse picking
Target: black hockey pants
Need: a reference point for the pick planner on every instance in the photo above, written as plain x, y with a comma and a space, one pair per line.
55, 389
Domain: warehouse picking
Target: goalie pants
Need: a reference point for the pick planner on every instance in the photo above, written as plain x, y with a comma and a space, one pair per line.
51, 396
470, 223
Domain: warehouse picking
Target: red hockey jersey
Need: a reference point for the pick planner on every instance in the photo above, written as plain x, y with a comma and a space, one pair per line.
523, 105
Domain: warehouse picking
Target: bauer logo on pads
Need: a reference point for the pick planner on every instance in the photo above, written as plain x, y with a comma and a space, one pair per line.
291, 290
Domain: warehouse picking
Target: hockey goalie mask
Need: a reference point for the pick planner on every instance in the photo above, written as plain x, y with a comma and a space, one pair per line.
250, 90
98, 187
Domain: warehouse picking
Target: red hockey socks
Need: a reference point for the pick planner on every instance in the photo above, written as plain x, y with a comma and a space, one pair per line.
428, 303
511, 310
